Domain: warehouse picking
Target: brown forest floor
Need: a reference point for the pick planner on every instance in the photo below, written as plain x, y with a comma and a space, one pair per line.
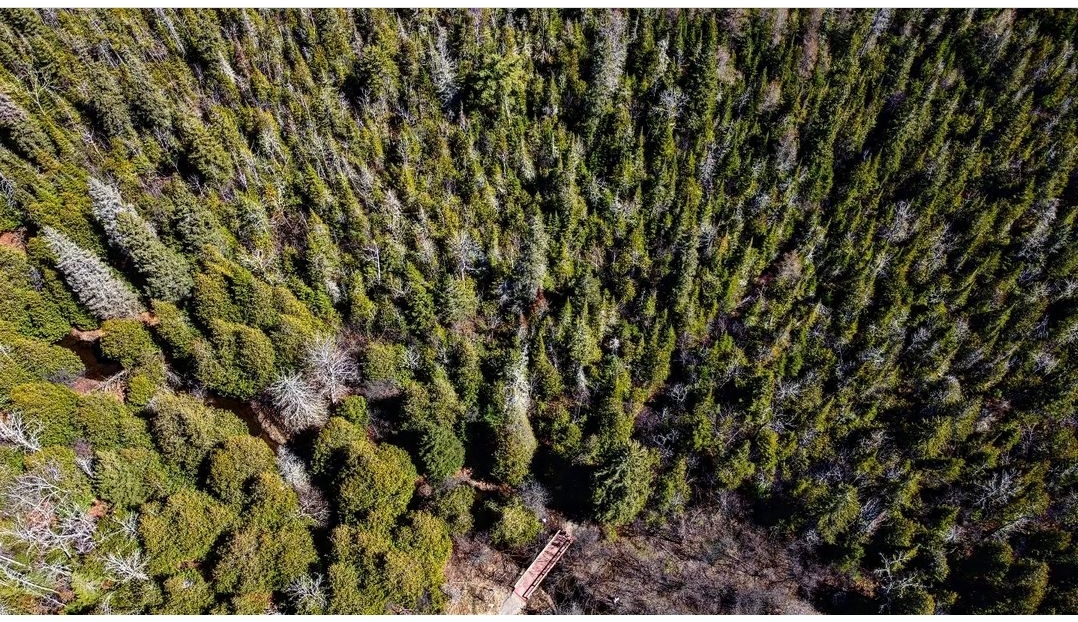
709, 561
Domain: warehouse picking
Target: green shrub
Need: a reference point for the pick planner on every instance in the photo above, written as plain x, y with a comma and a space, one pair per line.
375, 568
29, 312
29, 359
256, 560
186, 430
515, 446
132, 476
329, 453
128, 342
174, 328
12, 374
454, 506
212, 302
186, 593
345, 596
375, 485
165, 271
516, 526
353, 409
291, 339
107, 424
382, 362
441, 453
235, 462
241, 363
142, 386
272, 547
184, 529
52, 407
253, 604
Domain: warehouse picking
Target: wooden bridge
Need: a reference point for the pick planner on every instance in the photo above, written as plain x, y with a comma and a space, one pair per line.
534, 574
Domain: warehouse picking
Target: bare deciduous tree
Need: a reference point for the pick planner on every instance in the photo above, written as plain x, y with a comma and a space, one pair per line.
893, 581
299, 404
330, 368
44, 520
19, 432
307, 593
999, 488
312, 501
127, 568
613, 48
467, 253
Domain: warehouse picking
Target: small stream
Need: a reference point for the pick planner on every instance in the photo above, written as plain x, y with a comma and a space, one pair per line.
101, 369
247, 412
89, 354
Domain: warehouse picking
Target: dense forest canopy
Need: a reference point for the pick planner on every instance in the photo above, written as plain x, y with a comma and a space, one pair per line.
295, 302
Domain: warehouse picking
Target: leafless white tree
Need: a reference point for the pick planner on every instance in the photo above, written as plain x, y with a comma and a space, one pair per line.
999, 488
312, 502
42, 516
307, 593
15, 430
535, 497
893, 581
466, 252
330, 368
127, 568
299, 404
20, 575
518, 389
613, 48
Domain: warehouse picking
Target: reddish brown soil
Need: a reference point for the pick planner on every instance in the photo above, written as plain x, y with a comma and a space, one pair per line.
14, 239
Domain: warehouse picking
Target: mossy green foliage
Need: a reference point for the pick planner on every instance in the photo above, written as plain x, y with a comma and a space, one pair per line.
175, 329
516, 525
186, 430
384, 363
271, 548
372, 571
29, 359
51, 406
107, 424
128, 342
239, 361
374, 483
186, 593
131, 476
256, 603
515, 446
30, 312
441, 453
184, 528
353, 409
234, 463
454, 506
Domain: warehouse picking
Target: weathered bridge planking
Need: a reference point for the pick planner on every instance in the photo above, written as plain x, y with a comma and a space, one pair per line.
542, 565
